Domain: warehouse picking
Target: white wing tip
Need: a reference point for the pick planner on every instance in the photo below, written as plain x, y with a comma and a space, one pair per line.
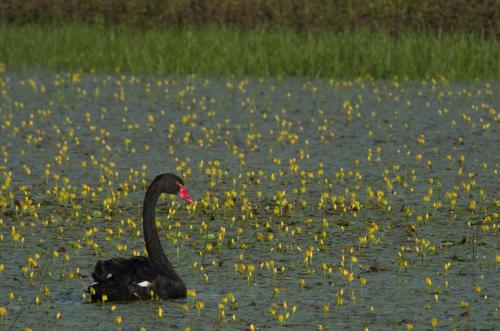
144, 283
109, 276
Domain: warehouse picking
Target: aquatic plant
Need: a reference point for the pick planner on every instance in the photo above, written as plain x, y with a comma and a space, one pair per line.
315, 199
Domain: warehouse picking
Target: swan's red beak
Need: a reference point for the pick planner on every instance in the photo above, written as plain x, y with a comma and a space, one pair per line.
183, 193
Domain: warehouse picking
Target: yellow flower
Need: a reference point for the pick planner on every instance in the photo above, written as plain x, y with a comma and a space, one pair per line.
3, 312
199, 305
159, 312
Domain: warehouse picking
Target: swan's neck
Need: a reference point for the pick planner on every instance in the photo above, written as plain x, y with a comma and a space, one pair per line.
153, 244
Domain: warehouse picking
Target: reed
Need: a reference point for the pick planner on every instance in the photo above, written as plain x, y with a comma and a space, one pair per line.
216, 50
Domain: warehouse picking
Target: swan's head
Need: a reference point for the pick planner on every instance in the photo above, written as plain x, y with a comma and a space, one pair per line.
172, 184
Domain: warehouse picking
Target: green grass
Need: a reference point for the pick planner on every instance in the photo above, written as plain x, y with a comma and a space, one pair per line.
222, 51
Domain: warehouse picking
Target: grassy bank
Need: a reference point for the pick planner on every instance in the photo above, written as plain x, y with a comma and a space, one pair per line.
221, 51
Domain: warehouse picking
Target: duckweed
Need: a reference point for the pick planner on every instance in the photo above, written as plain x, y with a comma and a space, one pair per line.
320, 204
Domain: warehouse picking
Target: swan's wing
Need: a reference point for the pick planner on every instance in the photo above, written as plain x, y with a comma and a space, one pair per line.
161, 287
133, 270
132, 279
116, 291
105, 269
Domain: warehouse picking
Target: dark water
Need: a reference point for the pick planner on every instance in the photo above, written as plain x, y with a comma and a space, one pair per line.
325, 144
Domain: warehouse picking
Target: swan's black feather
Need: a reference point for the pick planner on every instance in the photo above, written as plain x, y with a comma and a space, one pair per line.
119, 280
140, 277
135, 269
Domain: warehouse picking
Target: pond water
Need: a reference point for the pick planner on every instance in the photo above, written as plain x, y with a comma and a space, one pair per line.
320, 204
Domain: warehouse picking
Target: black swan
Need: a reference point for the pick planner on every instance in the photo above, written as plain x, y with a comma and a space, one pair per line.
141, 277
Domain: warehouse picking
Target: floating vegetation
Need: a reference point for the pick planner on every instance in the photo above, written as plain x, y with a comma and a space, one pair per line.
319, 204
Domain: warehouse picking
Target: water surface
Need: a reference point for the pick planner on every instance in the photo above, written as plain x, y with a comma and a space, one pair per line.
290, 163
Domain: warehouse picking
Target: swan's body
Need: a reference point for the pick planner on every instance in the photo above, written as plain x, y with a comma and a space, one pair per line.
140, 277
137, 278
